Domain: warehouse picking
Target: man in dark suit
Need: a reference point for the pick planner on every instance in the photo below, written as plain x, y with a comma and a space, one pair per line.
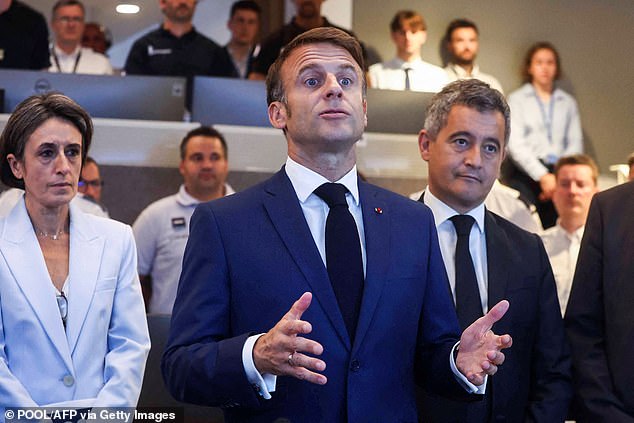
466, 132
347, 350
600, 316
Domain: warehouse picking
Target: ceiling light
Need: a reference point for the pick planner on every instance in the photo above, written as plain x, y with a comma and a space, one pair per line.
127, 8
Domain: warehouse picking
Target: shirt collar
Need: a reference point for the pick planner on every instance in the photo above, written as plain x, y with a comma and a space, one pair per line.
575, 235
184, 198
60, 53
305, 181
462, 73
442, 212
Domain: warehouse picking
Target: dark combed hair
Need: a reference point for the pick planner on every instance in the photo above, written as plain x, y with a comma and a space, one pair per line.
245, 5
457, 24
408, 19
62, 3
29, 115
274, 84
578, 159
203, 131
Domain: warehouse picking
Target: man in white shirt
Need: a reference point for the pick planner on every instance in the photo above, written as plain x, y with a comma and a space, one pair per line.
576, 183
67, 54
260, 325
462, 43
488, 258
162, 228
408, 71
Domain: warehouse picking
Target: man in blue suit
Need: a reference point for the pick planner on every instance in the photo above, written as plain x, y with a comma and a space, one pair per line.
258, 326
466, 132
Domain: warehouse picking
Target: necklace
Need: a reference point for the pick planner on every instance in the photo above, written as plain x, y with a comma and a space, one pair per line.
54, 236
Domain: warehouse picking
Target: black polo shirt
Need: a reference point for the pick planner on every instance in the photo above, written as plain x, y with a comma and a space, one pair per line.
23, 38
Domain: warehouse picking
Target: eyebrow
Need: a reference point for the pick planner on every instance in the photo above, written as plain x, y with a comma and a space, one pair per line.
470, 135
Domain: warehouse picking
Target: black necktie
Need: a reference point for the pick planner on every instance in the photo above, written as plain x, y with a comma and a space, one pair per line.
407, 83
343, 254
468, 304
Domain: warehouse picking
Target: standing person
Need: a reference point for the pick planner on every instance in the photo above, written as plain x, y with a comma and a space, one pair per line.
363, 278
408, 71
545, 126
96, 37
161, 229
307, 16
576, 177
67, 53
235, 59
600, 316
23, 37
73, 331
488, 258
463, 45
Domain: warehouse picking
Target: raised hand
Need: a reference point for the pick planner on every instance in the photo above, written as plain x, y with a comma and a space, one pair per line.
480, 351
280, 350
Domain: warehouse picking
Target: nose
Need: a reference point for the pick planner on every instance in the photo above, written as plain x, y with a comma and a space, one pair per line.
574, 188
333, 88
473, 157
62, 163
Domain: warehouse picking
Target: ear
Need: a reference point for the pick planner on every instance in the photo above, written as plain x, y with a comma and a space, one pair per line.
278, 115
365, 113
423, 145
16, 166
181, 167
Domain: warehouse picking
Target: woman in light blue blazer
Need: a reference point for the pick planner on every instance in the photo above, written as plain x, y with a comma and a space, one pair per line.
73, 330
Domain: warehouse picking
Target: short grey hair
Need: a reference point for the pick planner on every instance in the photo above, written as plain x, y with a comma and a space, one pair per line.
471, 93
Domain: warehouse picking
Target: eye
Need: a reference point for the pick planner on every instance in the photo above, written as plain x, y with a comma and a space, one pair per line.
461, 142
73, 151
491, 148
345, 81
47, 153
312, 82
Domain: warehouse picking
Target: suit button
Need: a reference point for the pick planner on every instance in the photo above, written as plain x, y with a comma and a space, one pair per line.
68, 380
355, 365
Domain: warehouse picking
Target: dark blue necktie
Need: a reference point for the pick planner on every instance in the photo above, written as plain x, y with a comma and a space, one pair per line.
343, 254
468, 304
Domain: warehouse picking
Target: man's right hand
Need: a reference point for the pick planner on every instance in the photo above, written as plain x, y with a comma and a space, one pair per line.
280, 350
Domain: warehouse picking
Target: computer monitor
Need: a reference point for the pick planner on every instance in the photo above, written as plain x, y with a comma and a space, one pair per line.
118, 97
229, 101
396, 112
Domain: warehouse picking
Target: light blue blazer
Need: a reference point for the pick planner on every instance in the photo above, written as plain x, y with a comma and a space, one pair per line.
99, 359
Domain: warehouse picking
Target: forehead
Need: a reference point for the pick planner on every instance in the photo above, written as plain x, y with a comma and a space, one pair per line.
469, 119
90, 169
544, 54
576, 171
245, 14
464, 32
67, 10
201, 143
319, 55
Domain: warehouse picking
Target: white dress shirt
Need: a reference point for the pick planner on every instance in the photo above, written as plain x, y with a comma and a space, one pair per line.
82, 60
456, 72
562, 248
447, 238
423, 76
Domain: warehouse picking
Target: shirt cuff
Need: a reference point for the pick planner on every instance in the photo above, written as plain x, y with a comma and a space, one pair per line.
264, 384
462, 379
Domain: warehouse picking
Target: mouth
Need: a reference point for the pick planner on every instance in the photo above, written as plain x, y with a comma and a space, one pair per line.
61, 185
469, 177
334, 114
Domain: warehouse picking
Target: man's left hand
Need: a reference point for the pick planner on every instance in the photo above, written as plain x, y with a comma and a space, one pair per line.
480, 352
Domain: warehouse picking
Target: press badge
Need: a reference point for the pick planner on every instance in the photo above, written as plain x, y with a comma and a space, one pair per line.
178, 222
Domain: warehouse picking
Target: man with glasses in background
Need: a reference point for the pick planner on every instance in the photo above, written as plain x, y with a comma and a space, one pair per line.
67, 54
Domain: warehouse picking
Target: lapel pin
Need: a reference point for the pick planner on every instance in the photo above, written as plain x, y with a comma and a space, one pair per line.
378, 210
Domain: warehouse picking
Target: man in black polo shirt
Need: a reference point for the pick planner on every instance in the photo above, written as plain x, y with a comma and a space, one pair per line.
307, 16
23, 37
174, 49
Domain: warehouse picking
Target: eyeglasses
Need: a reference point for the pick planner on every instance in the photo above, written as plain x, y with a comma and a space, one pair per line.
62, 304
95, 183
69, 19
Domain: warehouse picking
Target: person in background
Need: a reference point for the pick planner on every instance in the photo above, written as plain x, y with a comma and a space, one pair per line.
234, 60
90, 183
488, 258
73, 331
297, 294
407, 71
161, 229
67, 54
23, 37
463, 45
600, 317
576, 178
544, 127
96, 37
307, 16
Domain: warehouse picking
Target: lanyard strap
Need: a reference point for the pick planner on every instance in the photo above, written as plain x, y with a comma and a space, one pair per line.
59, 68
547, 119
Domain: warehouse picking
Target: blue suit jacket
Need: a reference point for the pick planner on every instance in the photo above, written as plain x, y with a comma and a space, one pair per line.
251, 255
534, 383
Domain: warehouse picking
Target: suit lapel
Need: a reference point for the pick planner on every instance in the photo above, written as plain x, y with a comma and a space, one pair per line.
498, 259
376, 224
288, 219
26, 262
86, 250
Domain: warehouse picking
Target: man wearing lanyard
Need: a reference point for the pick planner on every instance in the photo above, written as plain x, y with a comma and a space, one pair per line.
67, 54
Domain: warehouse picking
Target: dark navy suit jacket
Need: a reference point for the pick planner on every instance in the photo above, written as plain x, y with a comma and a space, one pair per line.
251, 255
534, 383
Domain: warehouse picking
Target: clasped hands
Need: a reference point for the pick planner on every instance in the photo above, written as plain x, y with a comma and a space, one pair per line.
283, 349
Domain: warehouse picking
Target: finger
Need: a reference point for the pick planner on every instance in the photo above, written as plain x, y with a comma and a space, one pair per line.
307, 346
505, 341
310, 363
486, 322
294, 327
304, 374
299, 306
496, 357
489, 368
